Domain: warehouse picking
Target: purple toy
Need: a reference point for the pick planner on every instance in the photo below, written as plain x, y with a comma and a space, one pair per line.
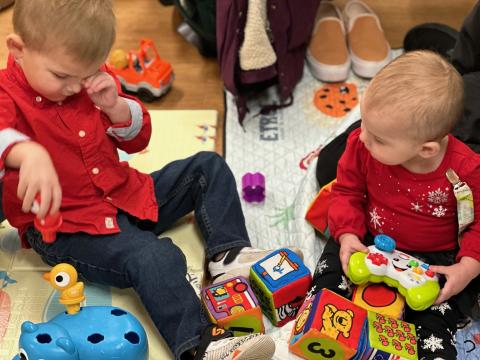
253, 187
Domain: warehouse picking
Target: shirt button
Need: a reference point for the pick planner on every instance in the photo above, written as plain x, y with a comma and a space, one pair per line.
81, 133
95, 171
38, 99
108, 198
59, 103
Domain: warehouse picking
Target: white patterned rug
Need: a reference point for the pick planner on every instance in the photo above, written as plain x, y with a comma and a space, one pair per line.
283, 146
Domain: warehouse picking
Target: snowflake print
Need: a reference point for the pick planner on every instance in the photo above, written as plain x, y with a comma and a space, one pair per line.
432, 343
321, 266
416, 207
442, 307
437, 196
439, 211
375, 219
311, 292
345, 285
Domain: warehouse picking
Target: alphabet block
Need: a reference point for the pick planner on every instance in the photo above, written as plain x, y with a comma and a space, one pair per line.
280, 280
380, 298
232, 305
328, 326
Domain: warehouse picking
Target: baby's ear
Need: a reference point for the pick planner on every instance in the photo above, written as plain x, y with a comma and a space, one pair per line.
429, 149
15, 45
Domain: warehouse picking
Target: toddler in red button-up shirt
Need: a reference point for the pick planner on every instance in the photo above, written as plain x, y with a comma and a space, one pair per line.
392, 180
62, 119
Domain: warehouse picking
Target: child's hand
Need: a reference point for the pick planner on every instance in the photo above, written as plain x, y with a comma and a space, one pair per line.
103, 91
458, 277
349, 244
37, 175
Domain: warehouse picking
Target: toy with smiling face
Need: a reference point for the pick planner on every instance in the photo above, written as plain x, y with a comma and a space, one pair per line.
409, 275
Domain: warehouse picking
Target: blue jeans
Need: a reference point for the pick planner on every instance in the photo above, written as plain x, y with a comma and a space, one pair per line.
156, 268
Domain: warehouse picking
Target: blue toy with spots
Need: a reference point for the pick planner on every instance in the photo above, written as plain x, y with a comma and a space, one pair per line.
82, 333
94, 333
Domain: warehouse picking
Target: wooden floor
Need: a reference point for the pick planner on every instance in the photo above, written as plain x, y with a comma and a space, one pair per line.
198, 84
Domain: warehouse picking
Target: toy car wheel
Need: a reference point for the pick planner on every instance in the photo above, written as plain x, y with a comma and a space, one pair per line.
145, 95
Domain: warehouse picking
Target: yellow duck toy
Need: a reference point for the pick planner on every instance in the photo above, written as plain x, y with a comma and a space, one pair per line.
63, 277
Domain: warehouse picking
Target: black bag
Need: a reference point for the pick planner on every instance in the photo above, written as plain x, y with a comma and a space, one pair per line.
440, 38
199, 27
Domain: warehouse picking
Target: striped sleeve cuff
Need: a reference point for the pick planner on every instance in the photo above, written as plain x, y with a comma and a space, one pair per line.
126, 133
8, 138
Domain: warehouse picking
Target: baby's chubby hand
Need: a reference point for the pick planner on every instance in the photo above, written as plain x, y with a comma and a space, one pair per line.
349, 244
458, 277
102, 89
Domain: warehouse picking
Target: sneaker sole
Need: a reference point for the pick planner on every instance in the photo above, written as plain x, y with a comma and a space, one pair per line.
263, 349
327, 73
254, 347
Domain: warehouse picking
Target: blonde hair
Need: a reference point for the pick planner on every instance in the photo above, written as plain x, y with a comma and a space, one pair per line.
85, 29
425, 87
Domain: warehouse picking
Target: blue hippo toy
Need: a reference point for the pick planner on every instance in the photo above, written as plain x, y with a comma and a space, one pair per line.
94, 333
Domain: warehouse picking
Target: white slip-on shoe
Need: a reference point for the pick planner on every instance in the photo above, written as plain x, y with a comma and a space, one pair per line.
327, 54
368, 46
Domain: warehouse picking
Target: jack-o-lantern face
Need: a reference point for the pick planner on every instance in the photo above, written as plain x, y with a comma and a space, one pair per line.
336, 99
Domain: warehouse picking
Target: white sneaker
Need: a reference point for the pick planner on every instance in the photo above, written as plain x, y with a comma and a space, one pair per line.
237, 262
249, 347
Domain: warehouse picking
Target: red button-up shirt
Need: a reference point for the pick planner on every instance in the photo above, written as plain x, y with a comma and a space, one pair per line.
82, 143
418, 210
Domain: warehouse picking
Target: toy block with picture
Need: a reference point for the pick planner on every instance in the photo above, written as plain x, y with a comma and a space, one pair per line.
379, 298
280, 280
387, 338
232, 305
328, 326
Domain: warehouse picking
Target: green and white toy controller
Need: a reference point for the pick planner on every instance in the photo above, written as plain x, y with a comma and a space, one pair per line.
412, 277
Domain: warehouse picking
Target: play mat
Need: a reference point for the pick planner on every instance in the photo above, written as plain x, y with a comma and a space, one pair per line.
24, 295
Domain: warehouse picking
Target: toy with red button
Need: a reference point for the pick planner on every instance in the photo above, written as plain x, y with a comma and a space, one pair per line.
409, 275
231, 304
47, 226
380, 298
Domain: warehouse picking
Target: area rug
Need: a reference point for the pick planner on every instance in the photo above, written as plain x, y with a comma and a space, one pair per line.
24, 295
283, 146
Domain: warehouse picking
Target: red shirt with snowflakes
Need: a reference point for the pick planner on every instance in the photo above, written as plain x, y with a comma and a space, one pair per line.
82, 143
417, 210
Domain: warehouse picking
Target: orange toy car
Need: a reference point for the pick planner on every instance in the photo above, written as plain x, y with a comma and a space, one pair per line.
142, 72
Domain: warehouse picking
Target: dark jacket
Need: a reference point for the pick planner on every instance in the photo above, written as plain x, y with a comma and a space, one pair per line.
466, 58
291, 24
